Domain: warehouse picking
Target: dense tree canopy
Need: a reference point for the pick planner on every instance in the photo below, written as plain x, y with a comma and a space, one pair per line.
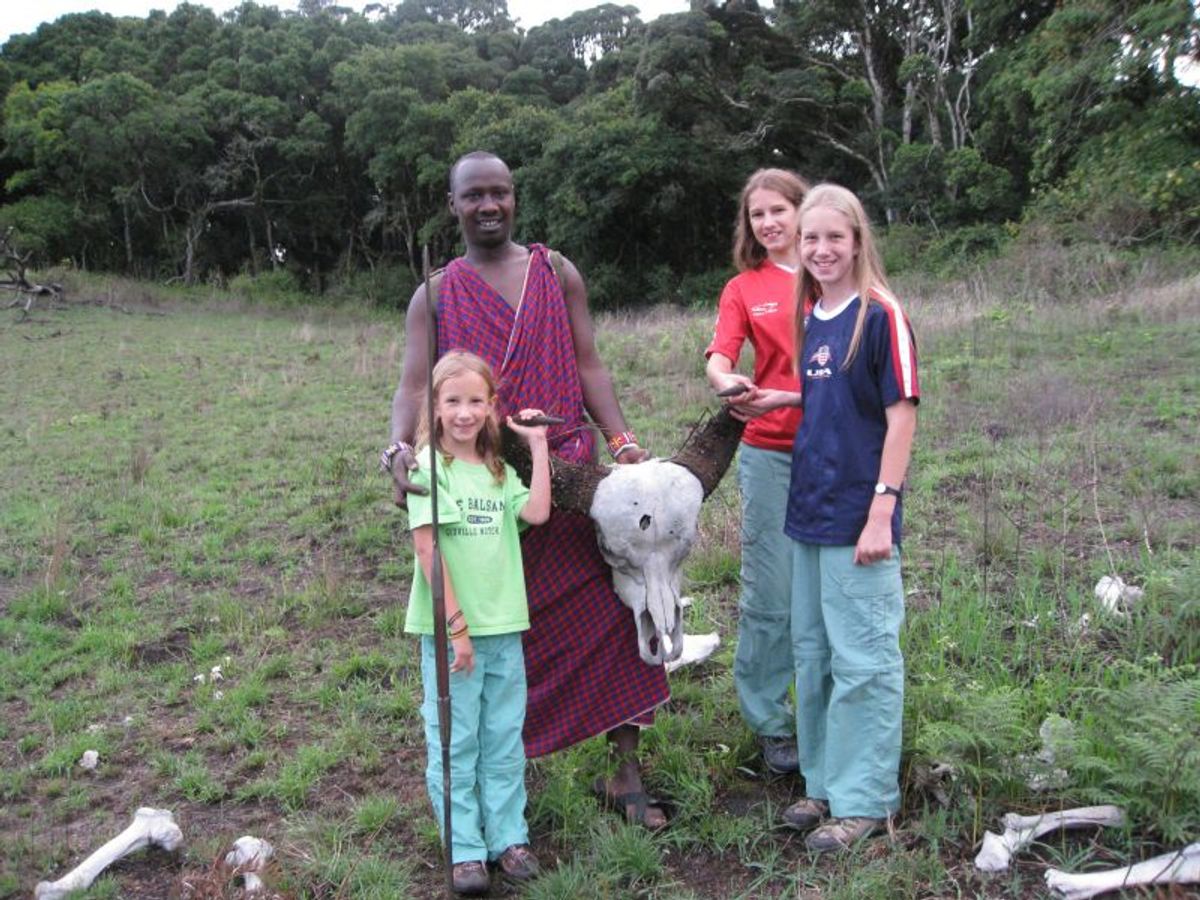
187, 145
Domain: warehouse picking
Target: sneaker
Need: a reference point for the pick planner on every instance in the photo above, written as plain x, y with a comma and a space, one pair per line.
841, 834
806, 813
780, 754
470, 878
519, 863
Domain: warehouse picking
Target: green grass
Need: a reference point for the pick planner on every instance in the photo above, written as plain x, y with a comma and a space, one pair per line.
198, 489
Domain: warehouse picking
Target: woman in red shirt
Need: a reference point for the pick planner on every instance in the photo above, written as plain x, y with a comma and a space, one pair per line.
758, 305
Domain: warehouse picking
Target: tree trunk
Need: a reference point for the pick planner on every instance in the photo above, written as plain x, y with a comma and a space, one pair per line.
128, 238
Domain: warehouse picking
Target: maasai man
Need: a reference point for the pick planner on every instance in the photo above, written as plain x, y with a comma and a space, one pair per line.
506, 303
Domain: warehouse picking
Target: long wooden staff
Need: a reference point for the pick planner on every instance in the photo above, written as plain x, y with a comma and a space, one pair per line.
437, 585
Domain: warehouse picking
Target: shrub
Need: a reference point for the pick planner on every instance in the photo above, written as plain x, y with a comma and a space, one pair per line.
275, 288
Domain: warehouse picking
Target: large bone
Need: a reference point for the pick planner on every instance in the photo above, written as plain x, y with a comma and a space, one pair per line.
248, 858
1021, 831
1180, 867
149, 826
696, 648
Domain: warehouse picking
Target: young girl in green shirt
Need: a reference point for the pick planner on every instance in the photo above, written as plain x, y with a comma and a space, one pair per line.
482, 506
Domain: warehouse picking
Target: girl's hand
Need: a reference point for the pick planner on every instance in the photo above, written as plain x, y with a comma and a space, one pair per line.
464, 654
528, 433
758, 401
875, 542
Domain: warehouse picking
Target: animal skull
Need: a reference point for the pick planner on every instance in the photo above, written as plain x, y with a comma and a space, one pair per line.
646, 519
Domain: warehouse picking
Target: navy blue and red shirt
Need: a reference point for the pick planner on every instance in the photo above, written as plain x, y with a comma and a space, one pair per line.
836, 456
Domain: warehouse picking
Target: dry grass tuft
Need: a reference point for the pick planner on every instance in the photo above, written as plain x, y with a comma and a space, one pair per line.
59, 549
140, 461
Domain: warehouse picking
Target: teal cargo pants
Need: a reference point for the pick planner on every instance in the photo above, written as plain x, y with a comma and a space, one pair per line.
849, 678
762, 664
487, 755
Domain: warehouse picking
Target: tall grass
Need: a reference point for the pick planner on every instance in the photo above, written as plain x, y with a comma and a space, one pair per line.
196, 488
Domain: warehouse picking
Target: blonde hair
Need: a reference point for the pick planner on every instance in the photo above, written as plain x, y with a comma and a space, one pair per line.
868, 268
487, 442
748, 253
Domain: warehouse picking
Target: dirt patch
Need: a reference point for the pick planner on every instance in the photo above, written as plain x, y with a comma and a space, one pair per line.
172, 647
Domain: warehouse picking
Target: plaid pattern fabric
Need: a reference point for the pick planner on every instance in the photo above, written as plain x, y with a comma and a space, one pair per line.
581, 653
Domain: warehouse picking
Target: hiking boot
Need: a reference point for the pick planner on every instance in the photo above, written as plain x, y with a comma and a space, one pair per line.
470, 878
841, 834
519, 863
780, 754
805, 814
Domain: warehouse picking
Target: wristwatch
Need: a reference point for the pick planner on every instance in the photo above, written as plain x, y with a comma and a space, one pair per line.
881, 488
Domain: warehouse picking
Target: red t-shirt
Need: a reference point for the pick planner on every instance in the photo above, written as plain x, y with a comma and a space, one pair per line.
759, 305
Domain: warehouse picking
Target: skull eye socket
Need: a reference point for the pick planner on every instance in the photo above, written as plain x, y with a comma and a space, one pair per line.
644, 523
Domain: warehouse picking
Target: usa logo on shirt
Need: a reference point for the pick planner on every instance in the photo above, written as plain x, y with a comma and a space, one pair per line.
821, 358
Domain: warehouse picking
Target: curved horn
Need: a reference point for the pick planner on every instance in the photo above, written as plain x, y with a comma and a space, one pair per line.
709, 449
572, 485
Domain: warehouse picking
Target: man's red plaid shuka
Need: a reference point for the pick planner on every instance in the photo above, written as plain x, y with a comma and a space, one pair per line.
581, 653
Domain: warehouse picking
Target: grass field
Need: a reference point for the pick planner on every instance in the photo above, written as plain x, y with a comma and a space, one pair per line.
188, 487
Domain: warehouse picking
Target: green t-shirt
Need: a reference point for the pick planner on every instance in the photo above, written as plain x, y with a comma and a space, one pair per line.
479, 536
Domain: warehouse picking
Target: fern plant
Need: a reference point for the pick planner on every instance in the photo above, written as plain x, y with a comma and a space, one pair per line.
1142, 752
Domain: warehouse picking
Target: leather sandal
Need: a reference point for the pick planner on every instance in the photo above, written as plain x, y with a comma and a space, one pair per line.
631, 805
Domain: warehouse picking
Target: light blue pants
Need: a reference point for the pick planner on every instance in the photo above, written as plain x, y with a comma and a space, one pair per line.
762, 665
487, 756
849, 678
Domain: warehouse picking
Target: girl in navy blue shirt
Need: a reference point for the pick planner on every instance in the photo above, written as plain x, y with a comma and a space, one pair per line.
857, 363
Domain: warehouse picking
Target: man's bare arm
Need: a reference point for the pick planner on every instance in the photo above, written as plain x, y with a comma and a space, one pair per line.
599, 396
406, 402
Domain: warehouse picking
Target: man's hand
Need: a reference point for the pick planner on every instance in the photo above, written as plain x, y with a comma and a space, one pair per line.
403, 462
633, 455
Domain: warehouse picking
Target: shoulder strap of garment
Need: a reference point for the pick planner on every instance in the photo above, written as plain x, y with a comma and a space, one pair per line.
435, 284
558, 264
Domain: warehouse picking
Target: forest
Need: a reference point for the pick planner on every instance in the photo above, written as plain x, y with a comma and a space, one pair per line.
309, 150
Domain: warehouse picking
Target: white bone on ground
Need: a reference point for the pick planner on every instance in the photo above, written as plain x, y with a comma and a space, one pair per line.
249, 856
1021, 831
1180, 867
89, 760
696, 648
1040, 770
149, 826
1115, 596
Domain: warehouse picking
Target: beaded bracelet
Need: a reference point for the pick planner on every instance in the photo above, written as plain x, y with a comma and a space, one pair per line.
620, 442
389, 454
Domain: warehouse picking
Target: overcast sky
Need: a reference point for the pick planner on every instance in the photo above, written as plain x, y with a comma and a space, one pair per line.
22, 16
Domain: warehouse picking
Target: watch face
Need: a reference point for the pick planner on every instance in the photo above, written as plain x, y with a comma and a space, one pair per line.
881, 488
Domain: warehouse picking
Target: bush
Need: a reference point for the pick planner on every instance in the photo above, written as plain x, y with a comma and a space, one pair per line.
389, 287
1141, 180
946, 253
275, 288
45, 225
